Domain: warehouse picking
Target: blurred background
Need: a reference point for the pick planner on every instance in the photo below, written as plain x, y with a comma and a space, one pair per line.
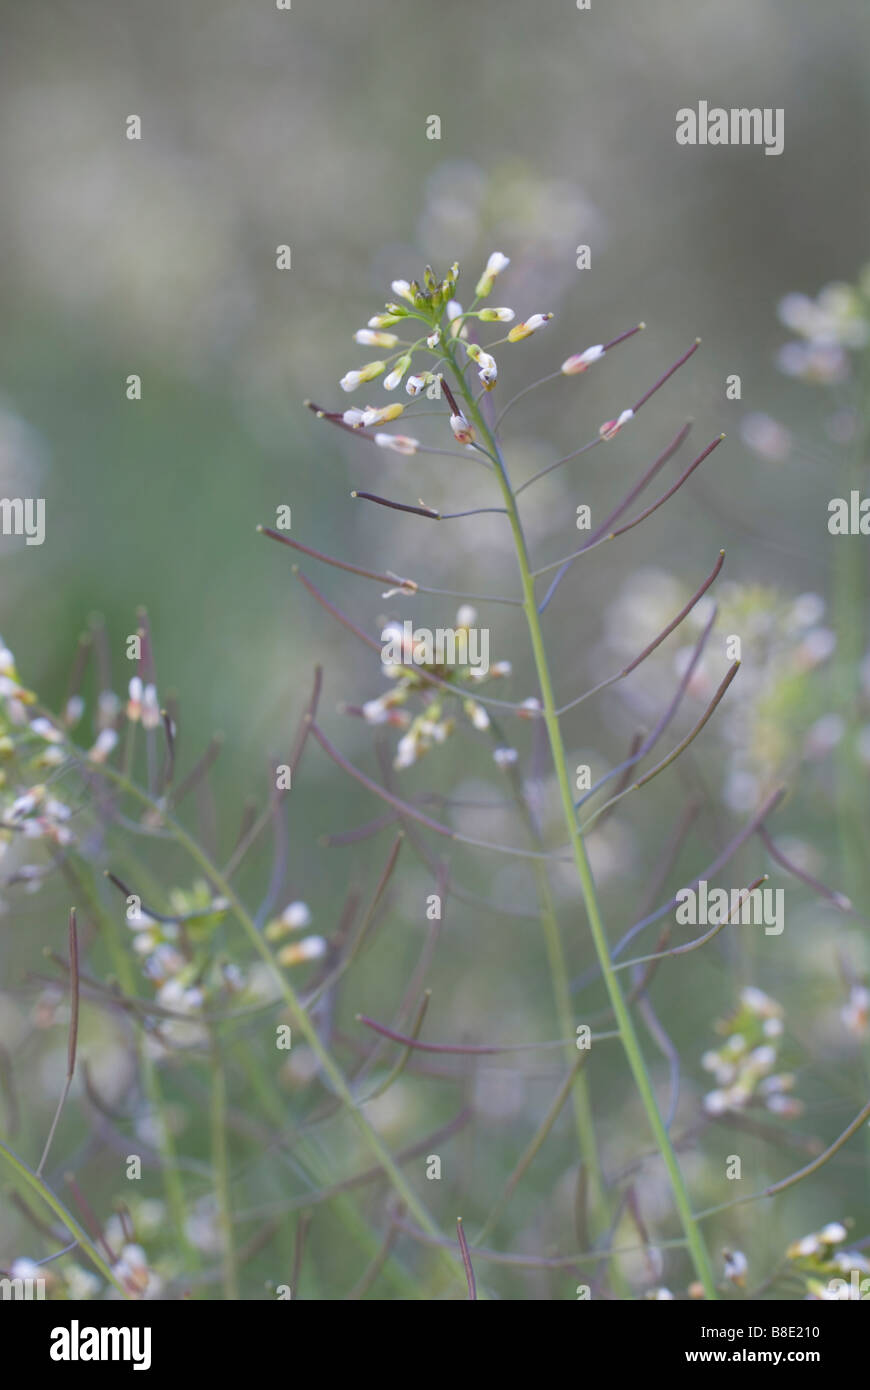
157, 257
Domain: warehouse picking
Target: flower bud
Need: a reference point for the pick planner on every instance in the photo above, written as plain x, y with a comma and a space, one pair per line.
105, 744
383, 415
612, 427
530, 326
366, 338
312, 948
395, 376
462, 431
494, 266
351, 380
496, 316
403, 289
581, 360
399, 443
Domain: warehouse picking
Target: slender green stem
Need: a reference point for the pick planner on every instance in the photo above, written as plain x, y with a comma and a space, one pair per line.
622, 1014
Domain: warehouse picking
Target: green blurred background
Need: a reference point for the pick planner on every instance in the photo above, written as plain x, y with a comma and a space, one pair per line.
308, 128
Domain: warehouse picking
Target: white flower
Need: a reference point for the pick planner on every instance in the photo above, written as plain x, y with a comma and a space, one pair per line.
44, 728
375, 711
581, 360
414, 385
312, 948
403, 289
466, 615
354, 417
75, 708
716, 1102
105, 744
759, 1003
296, 915
833, 1233
366, 338
736, 1265
150, 707
612, 427
494, 266
477, 714
406, 752
462, 431
350, 381
399, 443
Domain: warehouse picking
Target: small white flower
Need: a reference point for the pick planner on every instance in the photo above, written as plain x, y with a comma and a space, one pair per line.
312, 948
581, 360
403, 289
296, 915
399, 443
466, 615
106, 742
414, 385
453, 310
350, 381
612, 427
736, 1266
75, 708
406, 752
375, 711
494, 266
150, 707
477, 715
716, 1102
44, 728
462, 431
759, 1003
833, 1233
366, 338
354, 417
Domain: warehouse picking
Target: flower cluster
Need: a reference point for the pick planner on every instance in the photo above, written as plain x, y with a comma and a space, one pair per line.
30, 747
412, 675
744, 1065
445, 328
823, 1268
828, 328
178, 959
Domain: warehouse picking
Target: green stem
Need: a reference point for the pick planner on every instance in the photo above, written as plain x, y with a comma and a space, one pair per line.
624, 1021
